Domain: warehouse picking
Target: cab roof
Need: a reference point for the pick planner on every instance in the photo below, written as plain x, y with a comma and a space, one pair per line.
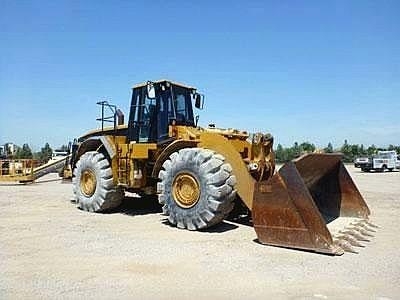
165, 80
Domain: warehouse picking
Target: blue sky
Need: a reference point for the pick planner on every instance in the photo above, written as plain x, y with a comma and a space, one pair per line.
318, 71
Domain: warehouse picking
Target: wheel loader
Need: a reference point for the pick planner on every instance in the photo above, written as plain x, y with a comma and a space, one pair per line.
200, 174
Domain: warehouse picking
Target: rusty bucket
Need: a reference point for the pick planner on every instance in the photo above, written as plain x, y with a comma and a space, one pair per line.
294, 208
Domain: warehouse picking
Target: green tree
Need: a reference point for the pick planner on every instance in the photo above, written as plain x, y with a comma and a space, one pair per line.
346, 150
371, 150
350, 151
296, 150
279, 153
355, 151
329, 148
307, 147
362, 150
45, 153
285, 154
24, 153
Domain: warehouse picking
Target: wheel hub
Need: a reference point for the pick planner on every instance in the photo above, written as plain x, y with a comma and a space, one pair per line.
88, 183
185, 190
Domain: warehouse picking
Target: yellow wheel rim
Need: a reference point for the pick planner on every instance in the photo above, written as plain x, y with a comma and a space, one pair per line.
88, 183
185, 190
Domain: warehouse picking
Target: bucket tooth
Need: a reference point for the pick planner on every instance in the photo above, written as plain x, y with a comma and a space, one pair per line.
365, 224
345, 245
367, 228
355, 234
361, 231
371, 224
353, 241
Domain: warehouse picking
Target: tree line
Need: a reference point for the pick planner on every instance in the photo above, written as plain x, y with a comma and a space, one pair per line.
282, 154
43, 155
349, 151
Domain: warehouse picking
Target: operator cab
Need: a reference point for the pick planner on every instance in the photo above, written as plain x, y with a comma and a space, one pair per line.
156, 105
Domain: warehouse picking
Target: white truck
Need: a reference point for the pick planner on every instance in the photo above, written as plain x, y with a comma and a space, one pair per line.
384, 160
398, 162
58, 154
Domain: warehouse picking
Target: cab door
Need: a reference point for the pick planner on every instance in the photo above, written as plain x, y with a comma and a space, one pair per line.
150, 117
142, 118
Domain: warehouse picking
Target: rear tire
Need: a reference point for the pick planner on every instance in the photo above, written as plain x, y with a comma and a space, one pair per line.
196, 188
93, 183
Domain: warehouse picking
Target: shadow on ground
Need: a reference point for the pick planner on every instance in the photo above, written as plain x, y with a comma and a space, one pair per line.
221, 227
134, 206
149, 205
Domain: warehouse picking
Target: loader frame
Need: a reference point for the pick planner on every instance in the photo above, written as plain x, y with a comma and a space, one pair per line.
290, 208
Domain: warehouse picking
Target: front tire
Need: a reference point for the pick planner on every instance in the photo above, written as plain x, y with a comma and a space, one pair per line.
93, 183
197, 188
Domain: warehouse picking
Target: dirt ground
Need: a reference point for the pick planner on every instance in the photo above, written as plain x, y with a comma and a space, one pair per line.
50, 249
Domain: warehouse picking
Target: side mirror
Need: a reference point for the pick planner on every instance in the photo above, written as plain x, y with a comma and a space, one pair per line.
199, 101
151, 91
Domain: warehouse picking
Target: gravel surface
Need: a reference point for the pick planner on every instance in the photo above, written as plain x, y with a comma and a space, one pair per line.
50, 249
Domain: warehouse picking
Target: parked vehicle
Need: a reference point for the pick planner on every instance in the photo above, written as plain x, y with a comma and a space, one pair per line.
360, 161
58, 154
201, 174
384, 160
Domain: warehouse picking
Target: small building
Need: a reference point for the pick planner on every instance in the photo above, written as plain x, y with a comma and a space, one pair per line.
8, 149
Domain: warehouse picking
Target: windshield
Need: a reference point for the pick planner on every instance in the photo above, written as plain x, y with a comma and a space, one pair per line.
385, 155
150, 118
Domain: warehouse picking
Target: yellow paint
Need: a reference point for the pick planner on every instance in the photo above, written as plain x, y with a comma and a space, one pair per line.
185, 190
18, 170
141, 151
109, 130
231, 144
88, 182
245, 183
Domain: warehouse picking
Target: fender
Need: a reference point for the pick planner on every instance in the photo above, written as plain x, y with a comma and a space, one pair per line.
245, 182
171, 148
221, 145
94, 144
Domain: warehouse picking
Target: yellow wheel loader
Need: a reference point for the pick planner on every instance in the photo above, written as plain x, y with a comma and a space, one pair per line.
200, 173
